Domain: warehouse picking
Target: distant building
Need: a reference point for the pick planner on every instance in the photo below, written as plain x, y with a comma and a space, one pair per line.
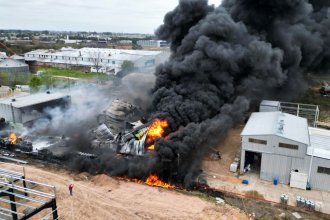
17, 57
24, 109
68, 41
152, 43
3, 56
101, 59
281, 147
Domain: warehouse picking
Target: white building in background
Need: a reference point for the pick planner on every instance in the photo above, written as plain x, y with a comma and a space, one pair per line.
97, 59
281, 147
153, 43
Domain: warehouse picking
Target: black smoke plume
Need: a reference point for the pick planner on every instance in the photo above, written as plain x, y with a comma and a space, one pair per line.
223, 59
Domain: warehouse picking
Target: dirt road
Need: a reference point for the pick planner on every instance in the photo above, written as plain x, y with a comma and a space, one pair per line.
102, 197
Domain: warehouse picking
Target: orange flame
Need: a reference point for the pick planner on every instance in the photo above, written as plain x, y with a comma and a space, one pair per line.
153, 180
12, 138
156, 130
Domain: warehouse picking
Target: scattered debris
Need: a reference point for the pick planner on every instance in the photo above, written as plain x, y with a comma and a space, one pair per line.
219, 201
282, 215
296, 215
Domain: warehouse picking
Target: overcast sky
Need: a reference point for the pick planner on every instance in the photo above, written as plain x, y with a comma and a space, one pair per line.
130, 16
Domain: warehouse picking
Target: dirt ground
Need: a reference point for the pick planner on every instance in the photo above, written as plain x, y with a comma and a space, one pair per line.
102, 197
229, 149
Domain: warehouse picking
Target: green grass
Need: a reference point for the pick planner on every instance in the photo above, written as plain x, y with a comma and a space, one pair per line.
70, 73
48, 76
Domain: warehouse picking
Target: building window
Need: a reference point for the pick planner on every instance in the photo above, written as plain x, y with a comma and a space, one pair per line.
289, 146
324, 170
257, 141
113, 62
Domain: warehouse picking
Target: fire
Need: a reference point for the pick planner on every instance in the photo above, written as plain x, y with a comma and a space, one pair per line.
12, 138
153, 180
156, 130
152, 147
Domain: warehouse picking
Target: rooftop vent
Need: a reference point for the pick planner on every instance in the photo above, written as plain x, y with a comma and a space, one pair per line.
280, 126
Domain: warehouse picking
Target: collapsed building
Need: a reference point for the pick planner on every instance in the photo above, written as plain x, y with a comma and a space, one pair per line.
118, 116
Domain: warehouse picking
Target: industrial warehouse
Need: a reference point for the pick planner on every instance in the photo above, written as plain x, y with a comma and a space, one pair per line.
27, 108
283, 148
97, 59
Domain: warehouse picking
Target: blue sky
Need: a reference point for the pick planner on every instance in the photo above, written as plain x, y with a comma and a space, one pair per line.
139, 16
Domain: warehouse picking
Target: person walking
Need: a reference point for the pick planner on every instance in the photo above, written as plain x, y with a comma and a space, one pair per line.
71, 188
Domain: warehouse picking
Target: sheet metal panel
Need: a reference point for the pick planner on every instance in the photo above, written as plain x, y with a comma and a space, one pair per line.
298, 180
320, 180
275, 166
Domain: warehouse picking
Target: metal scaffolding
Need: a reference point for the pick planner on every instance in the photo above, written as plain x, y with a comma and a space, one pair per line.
310, 112
26, 198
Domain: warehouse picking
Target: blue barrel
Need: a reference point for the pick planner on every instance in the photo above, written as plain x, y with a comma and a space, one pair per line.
245, 182
275, 181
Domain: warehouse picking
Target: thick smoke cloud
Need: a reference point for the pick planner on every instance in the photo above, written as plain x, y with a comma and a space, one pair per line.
222, 60
240, 52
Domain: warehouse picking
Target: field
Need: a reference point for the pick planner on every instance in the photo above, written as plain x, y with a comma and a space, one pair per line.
102, 197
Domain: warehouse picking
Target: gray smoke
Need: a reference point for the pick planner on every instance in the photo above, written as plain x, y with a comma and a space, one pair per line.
222, 60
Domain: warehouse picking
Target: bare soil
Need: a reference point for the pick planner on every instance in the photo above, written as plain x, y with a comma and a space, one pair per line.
229, 149
103, 197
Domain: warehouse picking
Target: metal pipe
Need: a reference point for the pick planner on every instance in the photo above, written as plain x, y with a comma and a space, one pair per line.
8, 210
12, 112
32, 191
18, 203
24, 197
7, 171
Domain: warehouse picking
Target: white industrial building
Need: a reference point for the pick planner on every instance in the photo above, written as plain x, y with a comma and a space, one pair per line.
27, 108
152, 43
281, 146
97, 59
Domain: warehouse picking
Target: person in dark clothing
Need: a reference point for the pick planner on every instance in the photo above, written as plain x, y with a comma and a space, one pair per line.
70, 189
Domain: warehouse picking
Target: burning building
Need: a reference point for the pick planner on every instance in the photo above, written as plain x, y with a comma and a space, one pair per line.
25, 109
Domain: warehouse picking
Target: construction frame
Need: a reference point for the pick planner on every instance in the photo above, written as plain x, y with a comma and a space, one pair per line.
23, 200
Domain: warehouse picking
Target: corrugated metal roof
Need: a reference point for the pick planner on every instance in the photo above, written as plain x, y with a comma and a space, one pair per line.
17, 57
29, 100
320, 143
279, 124
8, 63
270, 103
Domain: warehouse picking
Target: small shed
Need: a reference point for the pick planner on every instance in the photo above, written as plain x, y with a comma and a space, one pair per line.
269, 106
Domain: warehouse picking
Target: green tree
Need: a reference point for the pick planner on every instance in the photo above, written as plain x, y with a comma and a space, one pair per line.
35, 83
